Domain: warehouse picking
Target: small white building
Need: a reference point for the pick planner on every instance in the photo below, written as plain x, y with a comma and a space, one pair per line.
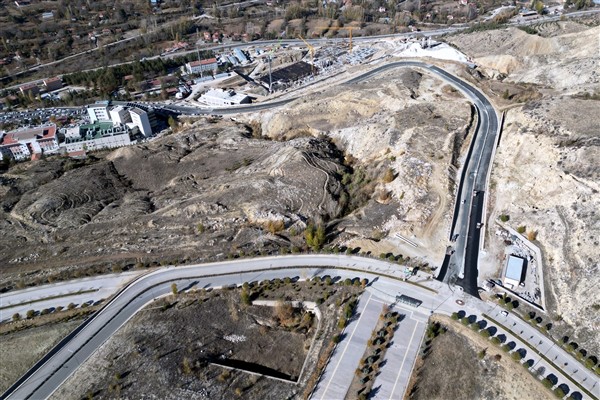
119, 115
98, 112
220, 97
200, 66
141, 119
514, 271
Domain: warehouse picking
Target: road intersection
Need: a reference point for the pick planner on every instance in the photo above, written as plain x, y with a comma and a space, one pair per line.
44, 378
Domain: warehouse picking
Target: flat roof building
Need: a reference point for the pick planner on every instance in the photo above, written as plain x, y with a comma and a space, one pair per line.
220, 97
197, 67
25, 143
98, 112
119, 115
515, 267
141, 119
96, 136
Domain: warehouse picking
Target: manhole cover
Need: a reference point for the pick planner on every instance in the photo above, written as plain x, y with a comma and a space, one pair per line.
460, 302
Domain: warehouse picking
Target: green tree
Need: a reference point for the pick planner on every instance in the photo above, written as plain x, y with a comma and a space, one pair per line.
172, 122
16, 317
30, 314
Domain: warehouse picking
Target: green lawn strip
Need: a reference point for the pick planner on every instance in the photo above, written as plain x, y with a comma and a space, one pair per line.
58, 296
542, 356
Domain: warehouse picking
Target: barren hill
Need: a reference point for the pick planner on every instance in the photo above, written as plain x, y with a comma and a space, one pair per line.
568, 57
545, 175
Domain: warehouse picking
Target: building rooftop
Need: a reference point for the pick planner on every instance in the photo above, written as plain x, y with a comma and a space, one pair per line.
39, 132
203, 62
514, 268
225, 94
55, 79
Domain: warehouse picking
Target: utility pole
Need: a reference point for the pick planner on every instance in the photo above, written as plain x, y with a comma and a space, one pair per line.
270, 77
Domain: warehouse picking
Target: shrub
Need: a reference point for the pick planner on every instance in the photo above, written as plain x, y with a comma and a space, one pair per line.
174, 289
16, 317
454, 316
187, 366
521, 229
30, 314
559, 393
389, 175
531, 235
45, 311
504, 218
336, 339
71, 306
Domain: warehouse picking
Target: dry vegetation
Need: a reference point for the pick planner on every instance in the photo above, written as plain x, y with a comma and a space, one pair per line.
460, 364
176, 348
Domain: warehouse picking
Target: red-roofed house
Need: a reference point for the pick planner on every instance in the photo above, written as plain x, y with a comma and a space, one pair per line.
53, 83
24, 143
29, 88
196, 67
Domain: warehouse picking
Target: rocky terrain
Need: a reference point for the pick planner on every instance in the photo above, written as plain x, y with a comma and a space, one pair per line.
546, 172
366, 162
207, 191
405, 124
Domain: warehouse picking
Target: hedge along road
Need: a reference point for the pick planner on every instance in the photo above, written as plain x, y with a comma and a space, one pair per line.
42, 380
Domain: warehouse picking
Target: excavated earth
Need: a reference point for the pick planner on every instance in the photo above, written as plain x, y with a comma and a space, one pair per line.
221, 187
406, 121
546, 173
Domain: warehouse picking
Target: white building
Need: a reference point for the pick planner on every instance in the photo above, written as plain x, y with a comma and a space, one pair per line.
200, 66
140, 119
514, 271
119, 115
98, 112
29, 143
220, 97
96, 136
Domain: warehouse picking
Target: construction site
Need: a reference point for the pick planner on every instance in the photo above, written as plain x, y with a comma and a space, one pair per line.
264, 73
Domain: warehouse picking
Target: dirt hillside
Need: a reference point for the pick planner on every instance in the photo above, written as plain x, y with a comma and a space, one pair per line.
546, 171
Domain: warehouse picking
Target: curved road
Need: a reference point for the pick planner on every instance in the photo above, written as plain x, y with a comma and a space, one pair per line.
43, 379
462, 268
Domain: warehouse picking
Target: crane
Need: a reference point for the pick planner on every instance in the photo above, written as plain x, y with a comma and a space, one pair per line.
337, 28
311, 49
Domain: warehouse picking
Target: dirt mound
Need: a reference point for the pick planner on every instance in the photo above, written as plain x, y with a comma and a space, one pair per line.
403, 121
567, 58
209, 190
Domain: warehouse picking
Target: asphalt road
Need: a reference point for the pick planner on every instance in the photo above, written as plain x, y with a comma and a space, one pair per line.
463, 268
45, 379
48, 375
